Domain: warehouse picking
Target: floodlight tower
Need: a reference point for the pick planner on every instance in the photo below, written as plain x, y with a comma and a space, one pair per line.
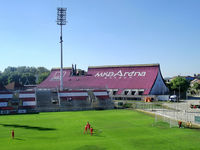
61, 20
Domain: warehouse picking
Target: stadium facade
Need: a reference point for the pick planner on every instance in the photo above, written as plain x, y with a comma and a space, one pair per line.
122, 82
94, 89
17, 102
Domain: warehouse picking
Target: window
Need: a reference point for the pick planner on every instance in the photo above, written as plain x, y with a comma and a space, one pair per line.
15, 102
126, 92
132, 92
140, 93
114, 92
54, 101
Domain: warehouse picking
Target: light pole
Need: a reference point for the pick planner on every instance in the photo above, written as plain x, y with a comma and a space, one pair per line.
61, 20
179, 92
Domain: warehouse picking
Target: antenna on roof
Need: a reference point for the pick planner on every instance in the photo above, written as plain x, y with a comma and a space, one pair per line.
75, 70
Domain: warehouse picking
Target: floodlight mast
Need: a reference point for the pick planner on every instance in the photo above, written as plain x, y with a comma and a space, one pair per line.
61, 20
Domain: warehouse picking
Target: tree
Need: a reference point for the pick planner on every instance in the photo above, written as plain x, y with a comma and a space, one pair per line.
168, 86
43, 76
179, 84
10, 69
28, 78
195, 88
41, 70
14, 77
4, 79
23, 75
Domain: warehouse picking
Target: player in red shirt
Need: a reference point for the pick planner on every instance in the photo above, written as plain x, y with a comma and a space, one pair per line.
179, 124
85, 129
91, 131
13, 134
88, 125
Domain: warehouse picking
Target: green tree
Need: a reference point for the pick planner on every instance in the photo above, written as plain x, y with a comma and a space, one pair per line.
43, 76
195, 88
23, 75
3, 79
28, 78
14, 77
10, 70
179, 83
41, 70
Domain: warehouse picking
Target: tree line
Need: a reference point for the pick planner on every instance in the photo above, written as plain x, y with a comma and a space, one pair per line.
181, 85
24, 75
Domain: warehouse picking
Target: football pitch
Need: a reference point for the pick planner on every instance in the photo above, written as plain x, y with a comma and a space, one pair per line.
113, 130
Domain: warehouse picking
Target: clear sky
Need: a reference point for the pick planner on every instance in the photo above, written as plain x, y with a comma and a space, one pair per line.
102, 32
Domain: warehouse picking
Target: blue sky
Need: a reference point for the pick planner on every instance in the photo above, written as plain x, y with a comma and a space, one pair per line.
102, 32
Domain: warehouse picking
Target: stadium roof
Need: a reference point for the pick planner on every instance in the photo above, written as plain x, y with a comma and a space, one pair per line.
118, 77
118, 66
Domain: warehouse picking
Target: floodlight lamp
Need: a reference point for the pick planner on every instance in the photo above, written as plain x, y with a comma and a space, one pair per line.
61, 16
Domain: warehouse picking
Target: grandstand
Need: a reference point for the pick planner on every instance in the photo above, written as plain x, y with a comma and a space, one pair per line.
94, 89
76, 99
13, 102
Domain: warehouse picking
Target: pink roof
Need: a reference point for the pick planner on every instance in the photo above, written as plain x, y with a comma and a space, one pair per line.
111, 77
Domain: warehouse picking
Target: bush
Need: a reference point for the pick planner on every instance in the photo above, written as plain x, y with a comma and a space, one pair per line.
120, 103
127, 105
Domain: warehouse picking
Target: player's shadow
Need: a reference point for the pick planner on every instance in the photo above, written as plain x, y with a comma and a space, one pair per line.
28, 127
19, 139
97, 132
91, 147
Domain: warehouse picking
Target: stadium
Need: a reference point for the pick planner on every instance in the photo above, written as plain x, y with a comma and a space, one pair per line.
108, 107
125, 80
94, 89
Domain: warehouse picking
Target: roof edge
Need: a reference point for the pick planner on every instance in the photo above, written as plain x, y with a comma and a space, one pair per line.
118, 66
59, 68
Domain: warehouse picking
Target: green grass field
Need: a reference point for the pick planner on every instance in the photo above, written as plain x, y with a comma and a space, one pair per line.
114, 129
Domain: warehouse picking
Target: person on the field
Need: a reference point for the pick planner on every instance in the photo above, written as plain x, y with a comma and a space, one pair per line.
190, 124
13, 134
88, 125
179, 124
91, 131
85, 129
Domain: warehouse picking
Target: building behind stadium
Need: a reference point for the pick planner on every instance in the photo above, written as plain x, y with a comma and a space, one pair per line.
96, 88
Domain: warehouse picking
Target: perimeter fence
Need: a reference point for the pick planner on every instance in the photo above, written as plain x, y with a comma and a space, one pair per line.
171, 113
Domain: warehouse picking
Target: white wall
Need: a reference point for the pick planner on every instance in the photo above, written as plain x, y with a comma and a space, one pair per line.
163, 97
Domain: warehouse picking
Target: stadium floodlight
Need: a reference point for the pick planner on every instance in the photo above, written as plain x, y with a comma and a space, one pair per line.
61, 20
61, 16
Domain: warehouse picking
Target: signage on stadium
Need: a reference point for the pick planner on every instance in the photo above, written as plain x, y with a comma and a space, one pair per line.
3, 104
120, 74
57, 75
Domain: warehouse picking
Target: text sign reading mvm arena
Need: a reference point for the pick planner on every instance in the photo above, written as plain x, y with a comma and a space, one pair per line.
121, 73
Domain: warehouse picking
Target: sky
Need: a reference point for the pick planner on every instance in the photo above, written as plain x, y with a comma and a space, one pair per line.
102, 32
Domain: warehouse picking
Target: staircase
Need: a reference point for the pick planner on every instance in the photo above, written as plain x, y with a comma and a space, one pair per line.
45, 99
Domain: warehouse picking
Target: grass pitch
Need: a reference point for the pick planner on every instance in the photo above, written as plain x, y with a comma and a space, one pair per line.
113, 129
